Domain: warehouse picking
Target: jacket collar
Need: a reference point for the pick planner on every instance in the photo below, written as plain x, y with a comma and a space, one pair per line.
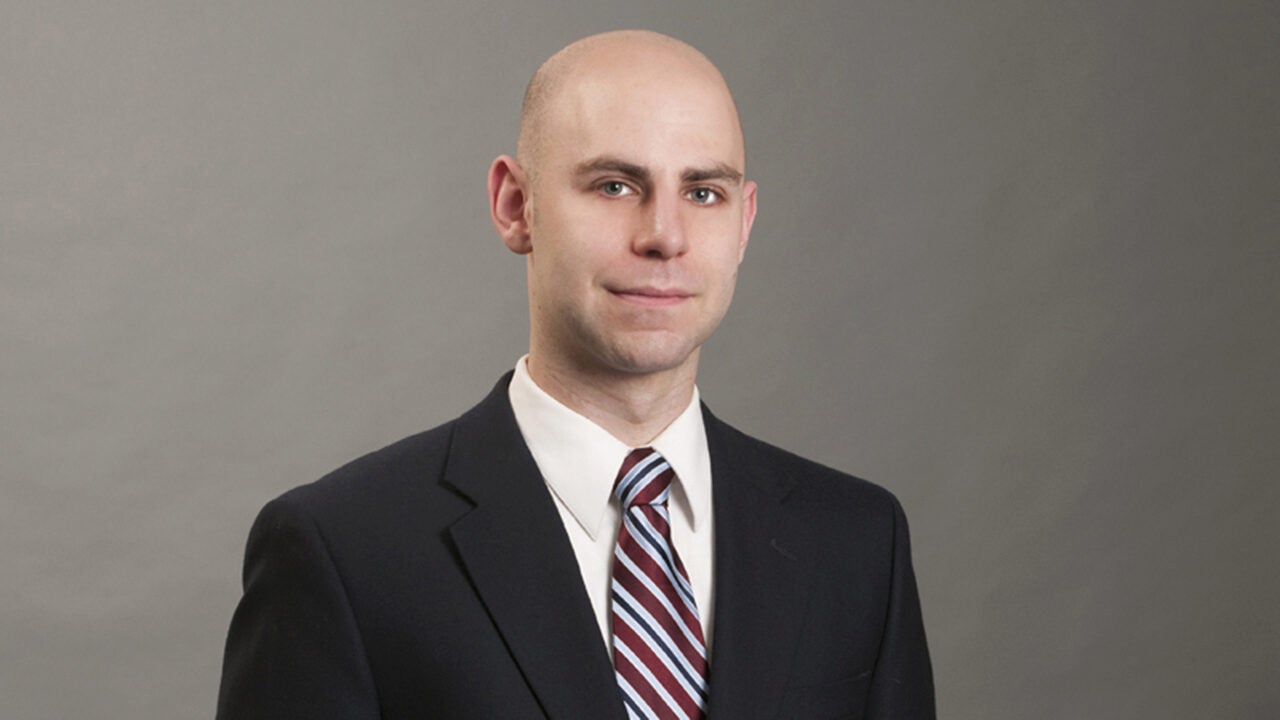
763, 565
522, 565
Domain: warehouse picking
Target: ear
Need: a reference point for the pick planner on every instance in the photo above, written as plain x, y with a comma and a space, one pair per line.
509, 203
748, 216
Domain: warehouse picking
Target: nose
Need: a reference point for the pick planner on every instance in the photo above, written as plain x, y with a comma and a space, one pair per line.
661, 232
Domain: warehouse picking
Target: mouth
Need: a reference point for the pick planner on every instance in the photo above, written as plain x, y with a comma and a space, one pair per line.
651, 296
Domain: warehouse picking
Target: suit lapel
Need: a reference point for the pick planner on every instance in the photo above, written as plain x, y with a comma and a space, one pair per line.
762, 563
515, 550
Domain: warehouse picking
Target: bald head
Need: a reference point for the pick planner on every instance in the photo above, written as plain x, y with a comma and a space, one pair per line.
600, 63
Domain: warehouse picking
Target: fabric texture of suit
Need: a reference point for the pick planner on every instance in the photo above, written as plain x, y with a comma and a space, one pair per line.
433, 579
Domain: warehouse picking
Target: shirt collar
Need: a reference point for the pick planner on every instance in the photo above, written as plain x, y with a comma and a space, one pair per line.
579, 459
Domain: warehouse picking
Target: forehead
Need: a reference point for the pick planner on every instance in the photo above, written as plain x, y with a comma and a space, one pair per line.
660, 112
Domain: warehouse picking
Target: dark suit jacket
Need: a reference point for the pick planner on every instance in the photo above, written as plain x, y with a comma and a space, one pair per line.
434, 579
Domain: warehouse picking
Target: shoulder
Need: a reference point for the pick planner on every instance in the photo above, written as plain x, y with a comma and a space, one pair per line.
406, 461
377, 488
406, 478
823, 490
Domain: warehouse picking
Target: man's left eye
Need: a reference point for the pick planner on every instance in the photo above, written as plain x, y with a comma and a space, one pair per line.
704, 196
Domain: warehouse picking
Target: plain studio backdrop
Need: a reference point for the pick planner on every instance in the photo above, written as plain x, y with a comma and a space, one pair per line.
1017, 262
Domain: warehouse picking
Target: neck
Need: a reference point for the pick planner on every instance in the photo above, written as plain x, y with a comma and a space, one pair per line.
633, 407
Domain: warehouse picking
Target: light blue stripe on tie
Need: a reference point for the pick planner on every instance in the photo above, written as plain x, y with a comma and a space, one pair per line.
648, 538
661, 597
659, 643
636, 706
655, 539
638, 471
648, 676
643, 476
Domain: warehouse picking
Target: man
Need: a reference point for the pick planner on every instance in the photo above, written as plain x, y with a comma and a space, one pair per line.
589, 542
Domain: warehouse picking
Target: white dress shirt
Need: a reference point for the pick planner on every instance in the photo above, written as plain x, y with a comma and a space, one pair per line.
580, 460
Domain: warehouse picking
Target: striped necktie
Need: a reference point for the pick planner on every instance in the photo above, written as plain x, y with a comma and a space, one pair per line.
659, 656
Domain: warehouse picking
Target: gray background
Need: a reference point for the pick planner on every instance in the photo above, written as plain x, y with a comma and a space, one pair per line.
1016, 262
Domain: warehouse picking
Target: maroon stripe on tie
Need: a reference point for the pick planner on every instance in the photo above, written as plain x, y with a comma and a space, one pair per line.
654, 572
650, 492
661, 710
658, 669
632, 458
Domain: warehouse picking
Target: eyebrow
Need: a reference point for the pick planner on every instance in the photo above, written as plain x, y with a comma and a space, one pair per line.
613, 165
718, 171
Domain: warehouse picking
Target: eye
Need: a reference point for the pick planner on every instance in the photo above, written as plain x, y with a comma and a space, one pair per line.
704, 196
614, 188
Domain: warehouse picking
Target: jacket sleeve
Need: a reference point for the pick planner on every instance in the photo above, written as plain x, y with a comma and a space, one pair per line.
902, 687
293, 650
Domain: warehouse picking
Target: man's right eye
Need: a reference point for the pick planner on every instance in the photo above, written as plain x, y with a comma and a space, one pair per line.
614, 188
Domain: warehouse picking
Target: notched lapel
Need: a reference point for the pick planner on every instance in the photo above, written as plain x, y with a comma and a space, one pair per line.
522, 565
763, 567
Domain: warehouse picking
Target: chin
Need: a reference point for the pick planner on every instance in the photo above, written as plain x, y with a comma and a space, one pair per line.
651, 356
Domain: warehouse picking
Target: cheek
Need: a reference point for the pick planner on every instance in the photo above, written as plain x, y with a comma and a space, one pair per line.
566, 269
723, 251
577, 229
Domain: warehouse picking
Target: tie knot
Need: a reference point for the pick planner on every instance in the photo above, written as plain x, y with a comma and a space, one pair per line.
645, 479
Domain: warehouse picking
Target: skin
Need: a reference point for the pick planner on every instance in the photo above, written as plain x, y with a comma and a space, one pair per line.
633, 212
